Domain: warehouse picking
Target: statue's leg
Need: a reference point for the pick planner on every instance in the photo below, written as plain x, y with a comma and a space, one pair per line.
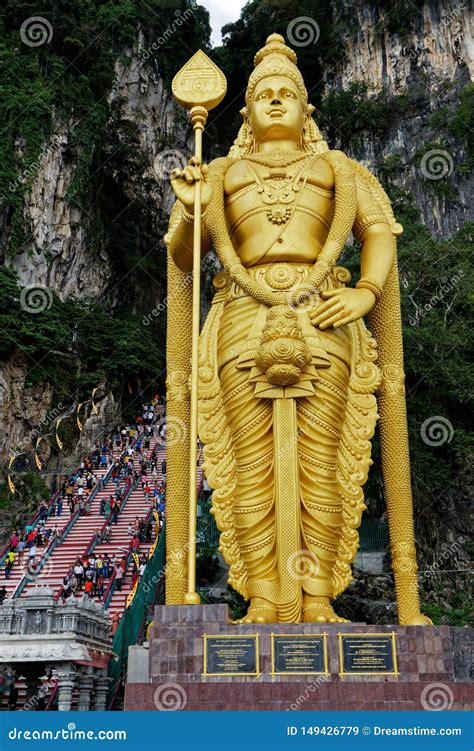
320, 419
250, 423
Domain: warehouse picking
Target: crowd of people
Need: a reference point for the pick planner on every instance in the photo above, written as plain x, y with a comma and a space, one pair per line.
27, 546
134, 464
90, 574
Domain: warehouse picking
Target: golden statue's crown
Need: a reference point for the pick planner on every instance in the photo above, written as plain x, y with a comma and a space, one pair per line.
275, 59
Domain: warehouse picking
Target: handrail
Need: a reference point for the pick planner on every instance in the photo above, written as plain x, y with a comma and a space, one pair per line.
46, 556
109, 592
94, 541
58, 541
52, 696
133, 591
102, 482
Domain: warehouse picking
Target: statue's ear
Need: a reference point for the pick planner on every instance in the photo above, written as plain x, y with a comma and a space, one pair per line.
244, 112
310, 109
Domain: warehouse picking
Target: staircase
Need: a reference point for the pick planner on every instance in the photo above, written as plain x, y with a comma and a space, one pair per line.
81, 533
120, 539
66, 553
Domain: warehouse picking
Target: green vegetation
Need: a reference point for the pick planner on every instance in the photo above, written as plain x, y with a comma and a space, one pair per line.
70, 76
55, 342
31, 488
462, 126
345, 114
450, 616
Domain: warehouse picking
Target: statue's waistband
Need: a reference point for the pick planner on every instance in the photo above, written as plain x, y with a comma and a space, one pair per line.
281, 277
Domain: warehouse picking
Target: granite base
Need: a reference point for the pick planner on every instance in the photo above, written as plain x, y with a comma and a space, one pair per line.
434, 665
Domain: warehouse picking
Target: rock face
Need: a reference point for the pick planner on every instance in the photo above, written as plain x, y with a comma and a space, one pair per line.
164, 129
24, 412
440, 44
97, 425
58, 254
433, 62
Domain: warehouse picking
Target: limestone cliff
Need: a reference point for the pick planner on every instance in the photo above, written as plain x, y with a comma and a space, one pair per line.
421, 72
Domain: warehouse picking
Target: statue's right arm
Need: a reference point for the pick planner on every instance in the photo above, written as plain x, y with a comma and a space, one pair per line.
181, 244
180, 236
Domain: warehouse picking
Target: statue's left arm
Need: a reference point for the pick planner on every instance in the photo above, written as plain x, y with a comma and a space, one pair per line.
346, 304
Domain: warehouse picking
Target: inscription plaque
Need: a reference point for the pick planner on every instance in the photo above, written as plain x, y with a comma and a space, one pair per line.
368, 654
231, 655
304, 654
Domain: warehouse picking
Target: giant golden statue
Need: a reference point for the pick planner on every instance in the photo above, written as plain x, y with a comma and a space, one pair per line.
288, 371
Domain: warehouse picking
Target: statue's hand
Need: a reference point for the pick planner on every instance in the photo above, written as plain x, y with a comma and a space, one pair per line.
341, 306
184, 180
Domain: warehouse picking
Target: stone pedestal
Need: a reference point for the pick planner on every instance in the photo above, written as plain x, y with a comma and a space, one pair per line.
426, 656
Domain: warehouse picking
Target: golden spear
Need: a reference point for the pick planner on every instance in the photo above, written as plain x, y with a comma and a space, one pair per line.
199, 86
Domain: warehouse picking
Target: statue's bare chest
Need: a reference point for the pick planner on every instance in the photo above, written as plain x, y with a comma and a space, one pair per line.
249, 185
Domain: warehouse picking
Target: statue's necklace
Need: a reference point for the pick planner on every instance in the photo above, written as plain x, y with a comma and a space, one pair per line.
279, 193
277, 158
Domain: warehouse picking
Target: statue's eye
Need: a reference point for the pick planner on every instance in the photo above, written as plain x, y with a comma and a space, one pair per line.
262, 95
289, 93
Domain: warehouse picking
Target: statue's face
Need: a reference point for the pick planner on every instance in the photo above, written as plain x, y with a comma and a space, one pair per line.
277, 110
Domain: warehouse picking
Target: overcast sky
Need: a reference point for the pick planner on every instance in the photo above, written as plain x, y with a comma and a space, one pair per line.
221, 12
